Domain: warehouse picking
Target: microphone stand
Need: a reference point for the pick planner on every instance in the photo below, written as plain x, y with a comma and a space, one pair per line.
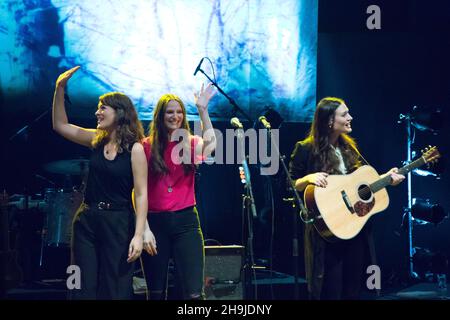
25, 128
299, 211
407, 119
26, 190
248, 203
248, 197
231, 100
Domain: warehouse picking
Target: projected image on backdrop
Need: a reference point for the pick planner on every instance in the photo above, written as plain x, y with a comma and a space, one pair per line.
263, 52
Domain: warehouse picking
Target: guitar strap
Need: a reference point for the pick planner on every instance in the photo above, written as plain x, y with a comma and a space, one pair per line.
361, 156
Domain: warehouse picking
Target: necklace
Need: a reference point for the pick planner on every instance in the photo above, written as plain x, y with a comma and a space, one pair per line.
173, 172
170, 185
110, 149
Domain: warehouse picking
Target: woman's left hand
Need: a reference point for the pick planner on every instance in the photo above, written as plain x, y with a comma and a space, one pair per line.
150, 242
135, 249
396, 178
202, 98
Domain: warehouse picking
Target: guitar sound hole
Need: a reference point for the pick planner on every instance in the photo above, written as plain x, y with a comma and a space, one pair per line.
364, 192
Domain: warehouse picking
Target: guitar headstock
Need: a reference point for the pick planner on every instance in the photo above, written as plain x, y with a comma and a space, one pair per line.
431, 154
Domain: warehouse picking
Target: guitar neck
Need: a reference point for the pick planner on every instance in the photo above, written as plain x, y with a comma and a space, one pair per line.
385, 181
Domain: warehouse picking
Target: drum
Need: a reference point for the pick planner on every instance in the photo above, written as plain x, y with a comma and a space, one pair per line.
61, 207
34, 202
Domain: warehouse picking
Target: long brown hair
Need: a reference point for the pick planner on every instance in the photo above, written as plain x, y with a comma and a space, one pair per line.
159, 137
129, 129
324, 157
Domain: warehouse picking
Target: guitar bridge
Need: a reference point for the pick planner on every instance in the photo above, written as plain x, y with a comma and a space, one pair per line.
347, 202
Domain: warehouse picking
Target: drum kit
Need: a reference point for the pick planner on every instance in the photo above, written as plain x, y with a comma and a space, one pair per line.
58, 203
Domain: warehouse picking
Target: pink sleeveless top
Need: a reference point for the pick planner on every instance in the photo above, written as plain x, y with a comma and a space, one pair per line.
173, 191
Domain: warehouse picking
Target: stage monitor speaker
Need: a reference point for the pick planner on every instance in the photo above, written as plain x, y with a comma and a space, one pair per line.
224, 278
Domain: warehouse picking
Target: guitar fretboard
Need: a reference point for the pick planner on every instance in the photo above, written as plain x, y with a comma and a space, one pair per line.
385, 181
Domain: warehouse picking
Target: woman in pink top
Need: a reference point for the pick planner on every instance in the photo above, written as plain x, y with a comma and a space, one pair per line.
172, 154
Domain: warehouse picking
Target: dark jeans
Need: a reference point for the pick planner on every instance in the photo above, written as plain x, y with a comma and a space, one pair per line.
344, 261
100, 242
178, 236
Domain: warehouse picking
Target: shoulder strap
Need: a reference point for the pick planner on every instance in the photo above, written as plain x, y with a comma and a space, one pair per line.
362, 158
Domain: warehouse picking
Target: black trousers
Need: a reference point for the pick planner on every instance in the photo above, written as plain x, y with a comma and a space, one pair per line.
344, 264
178, 236
100, 242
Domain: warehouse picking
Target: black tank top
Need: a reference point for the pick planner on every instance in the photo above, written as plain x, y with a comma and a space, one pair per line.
109, 180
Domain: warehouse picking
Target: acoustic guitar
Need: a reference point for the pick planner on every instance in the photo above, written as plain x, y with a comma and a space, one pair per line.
342, 209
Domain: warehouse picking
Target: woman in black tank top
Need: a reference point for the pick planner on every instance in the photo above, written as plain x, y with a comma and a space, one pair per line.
107, 235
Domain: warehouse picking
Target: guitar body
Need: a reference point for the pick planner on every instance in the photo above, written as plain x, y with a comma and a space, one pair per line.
342, 208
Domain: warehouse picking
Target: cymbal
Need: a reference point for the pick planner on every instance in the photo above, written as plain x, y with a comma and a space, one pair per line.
68, 167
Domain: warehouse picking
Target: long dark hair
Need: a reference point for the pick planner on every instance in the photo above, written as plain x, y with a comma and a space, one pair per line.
324, 157
129, 129
159, 137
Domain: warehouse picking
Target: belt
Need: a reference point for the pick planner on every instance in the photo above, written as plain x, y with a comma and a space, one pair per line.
103, 205
187, 209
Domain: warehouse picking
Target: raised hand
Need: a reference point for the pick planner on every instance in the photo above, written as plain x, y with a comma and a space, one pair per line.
202, 98
61, 82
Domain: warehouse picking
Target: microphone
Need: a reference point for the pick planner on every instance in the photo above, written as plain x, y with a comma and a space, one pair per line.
264, 122
198, 67
236, 123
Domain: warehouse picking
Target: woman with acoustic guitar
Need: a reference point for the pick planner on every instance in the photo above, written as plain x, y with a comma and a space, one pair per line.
333, 269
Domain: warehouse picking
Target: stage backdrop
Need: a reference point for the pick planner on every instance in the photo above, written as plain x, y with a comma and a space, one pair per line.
263, 53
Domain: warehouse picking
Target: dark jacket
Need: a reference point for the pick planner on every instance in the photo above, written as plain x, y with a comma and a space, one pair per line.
302, 164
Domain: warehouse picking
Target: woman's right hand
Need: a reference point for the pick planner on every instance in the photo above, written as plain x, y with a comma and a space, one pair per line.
61, 82
149, 242
318, 179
